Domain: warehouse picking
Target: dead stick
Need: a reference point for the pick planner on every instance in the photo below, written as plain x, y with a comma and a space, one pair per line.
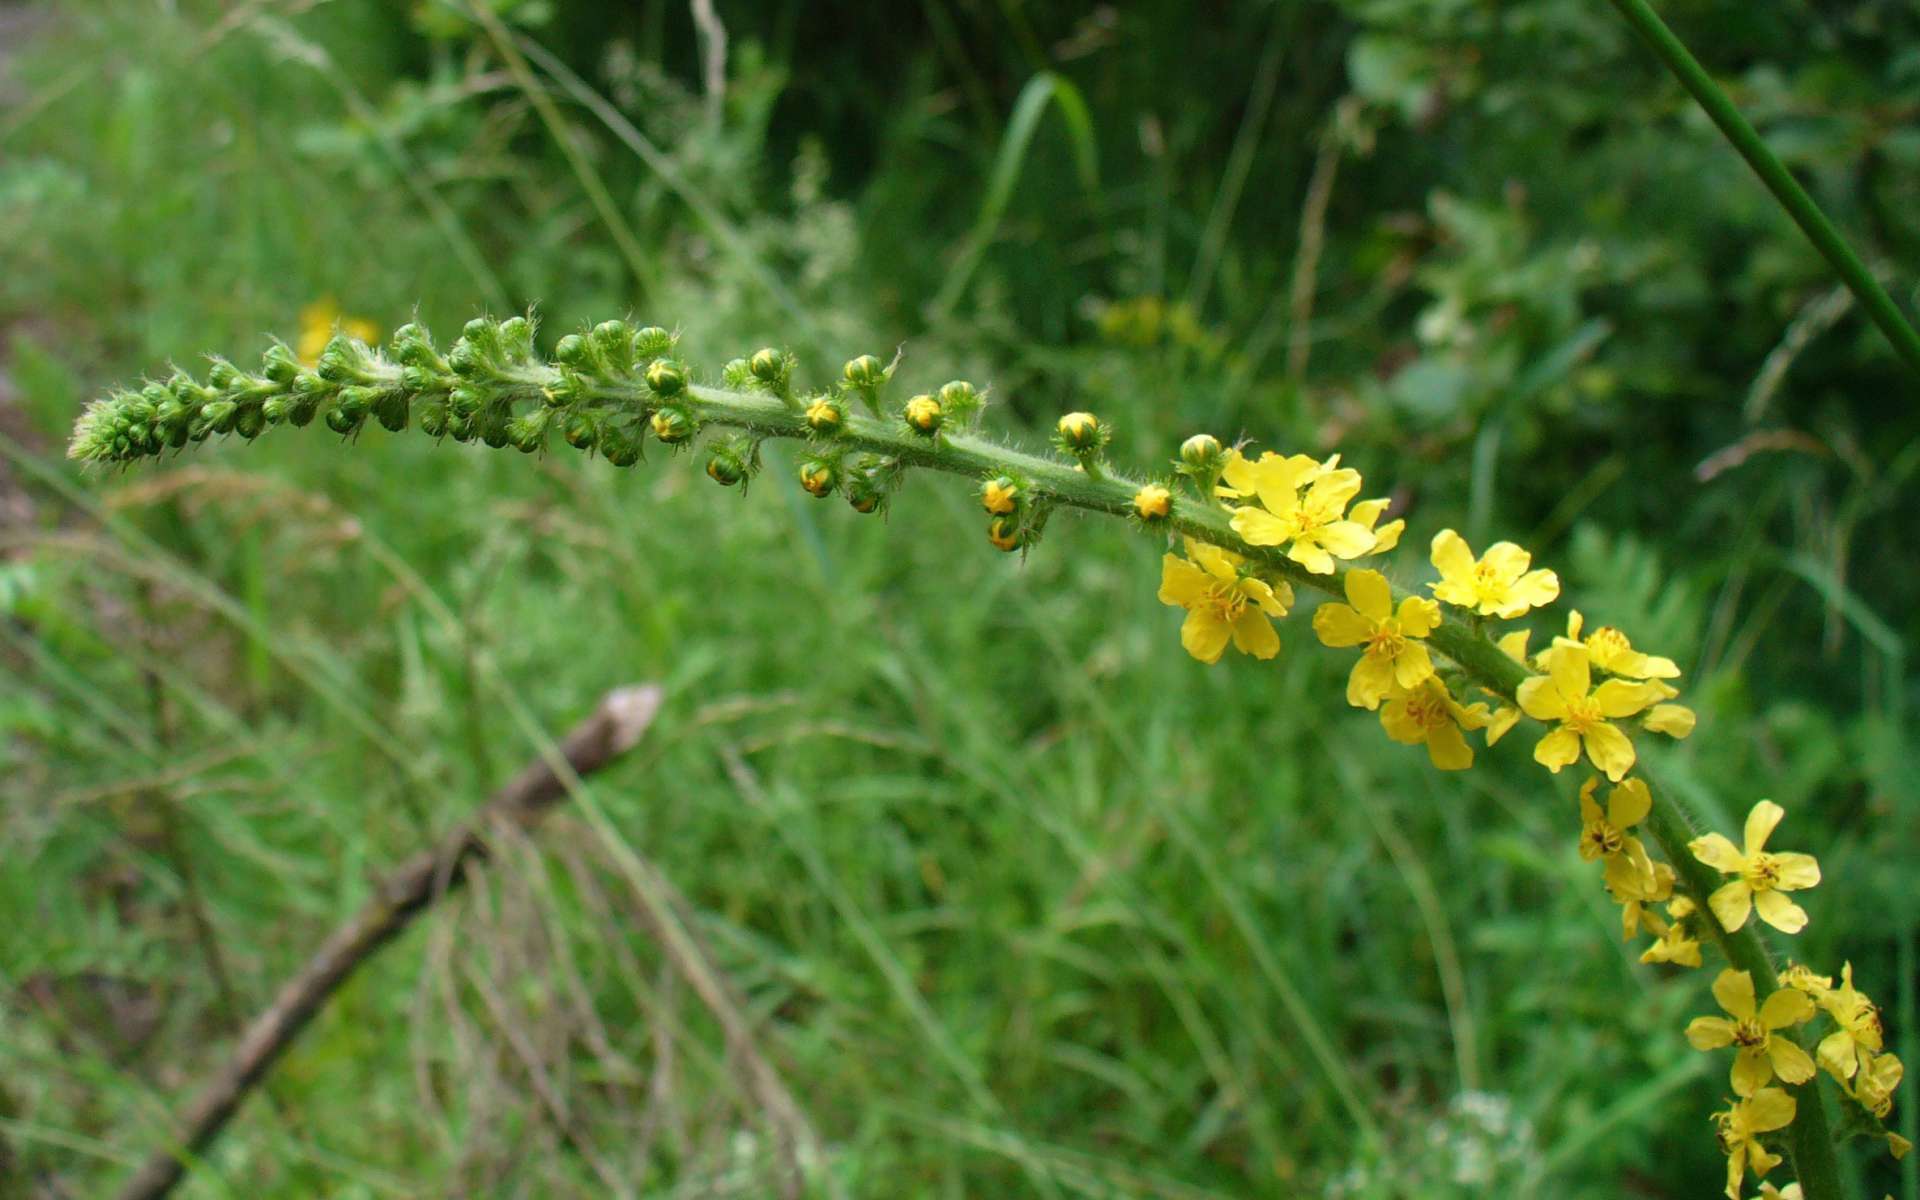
615, 726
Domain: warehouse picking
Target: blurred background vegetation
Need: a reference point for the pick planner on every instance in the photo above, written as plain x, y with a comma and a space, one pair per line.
1019, 899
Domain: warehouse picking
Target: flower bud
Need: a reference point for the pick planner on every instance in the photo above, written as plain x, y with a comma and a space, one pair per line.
529, 432
278, 364
222, 374
1000, 495
666, 378
725, 466
580, 431
612, 343
1152, 503
924, 415
818, 476
571, 351
864, 493
1080, 433
493, 430
958, 393
620, 447
433, 420
391, 410
768, 365
652, 342
516, 338
673, 424
825, 415
343, 420
1005, 534
1202, 455
865, 371
465, 400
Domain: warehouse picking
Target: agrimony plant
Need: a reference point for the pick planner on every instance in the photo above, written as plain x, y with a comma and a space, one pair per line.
1246, 534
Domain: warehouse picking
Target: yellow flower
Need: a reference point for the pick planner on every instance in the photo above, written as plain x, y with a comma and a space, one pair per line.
1673, 946
1859, 1035
1393, 655
1367, 513
1603, 835
1874, 1086
1738, 1130
1429, 713
1634, 892
1611, 652
999, 495
1761, 1055
320, 320
1799, 975
1762, 876
1303, 507
1498, 585
1566, 695
1222, 603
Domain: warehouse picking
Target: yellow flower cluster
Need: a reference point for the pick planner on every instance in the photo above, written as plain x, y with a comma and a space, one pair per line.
1589, 688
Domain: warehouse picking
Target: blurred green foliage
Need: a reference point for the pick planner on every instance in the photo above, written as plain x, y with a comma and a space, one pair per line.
1020, 899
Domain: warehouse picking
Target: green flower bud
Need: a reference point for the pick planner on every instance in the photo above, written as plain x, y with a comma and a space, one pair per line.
580, 431
516, 338
866, 489
826, 415
466, 400
619, 447
248, 422
493, 430
459, 428
1201, 454
223, 374
924, 415
344, 421
651, 343
433, 420
613, 344
218, 416
391, 409
865, 371
725, 466
463, 359
419, 379
818, 476
673, 424
529, 432
666, 378
278, 364
768, 365
571, 350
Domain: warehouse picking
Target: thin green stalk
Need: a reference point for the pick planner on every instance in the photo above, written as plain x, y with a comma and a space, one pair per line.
1785, 188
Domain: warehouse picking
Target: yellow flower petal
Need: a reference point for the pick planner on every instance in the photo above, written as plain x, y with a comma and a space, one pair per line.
1734, 992
1710, 1033
1789, 1061
1387, 536
1260, 527
1181, 582
1370, 594
1628, 804
1418, 616
1370, 682
1674, 720
1715, 850
1760, 825
1253, 633
1345, 539
1338, 625
1412, 665
1781, 913
1751, 1071
1560, 748
1797, 871
1610, 750
1786, 1007
1540, 699
1731, 903
1204, 635
1447, 748
1619, 698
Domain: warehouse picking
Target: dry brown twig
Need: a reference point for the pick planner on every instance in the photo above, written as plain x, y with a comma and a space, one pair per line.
615, 727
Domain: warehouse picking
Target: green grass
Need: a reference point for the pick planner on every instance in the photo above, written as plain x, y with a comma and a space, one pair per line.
1017, 898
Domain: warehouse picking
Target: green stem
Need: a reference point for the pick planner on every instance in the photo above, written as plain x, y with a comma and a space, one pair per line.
1785, 188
